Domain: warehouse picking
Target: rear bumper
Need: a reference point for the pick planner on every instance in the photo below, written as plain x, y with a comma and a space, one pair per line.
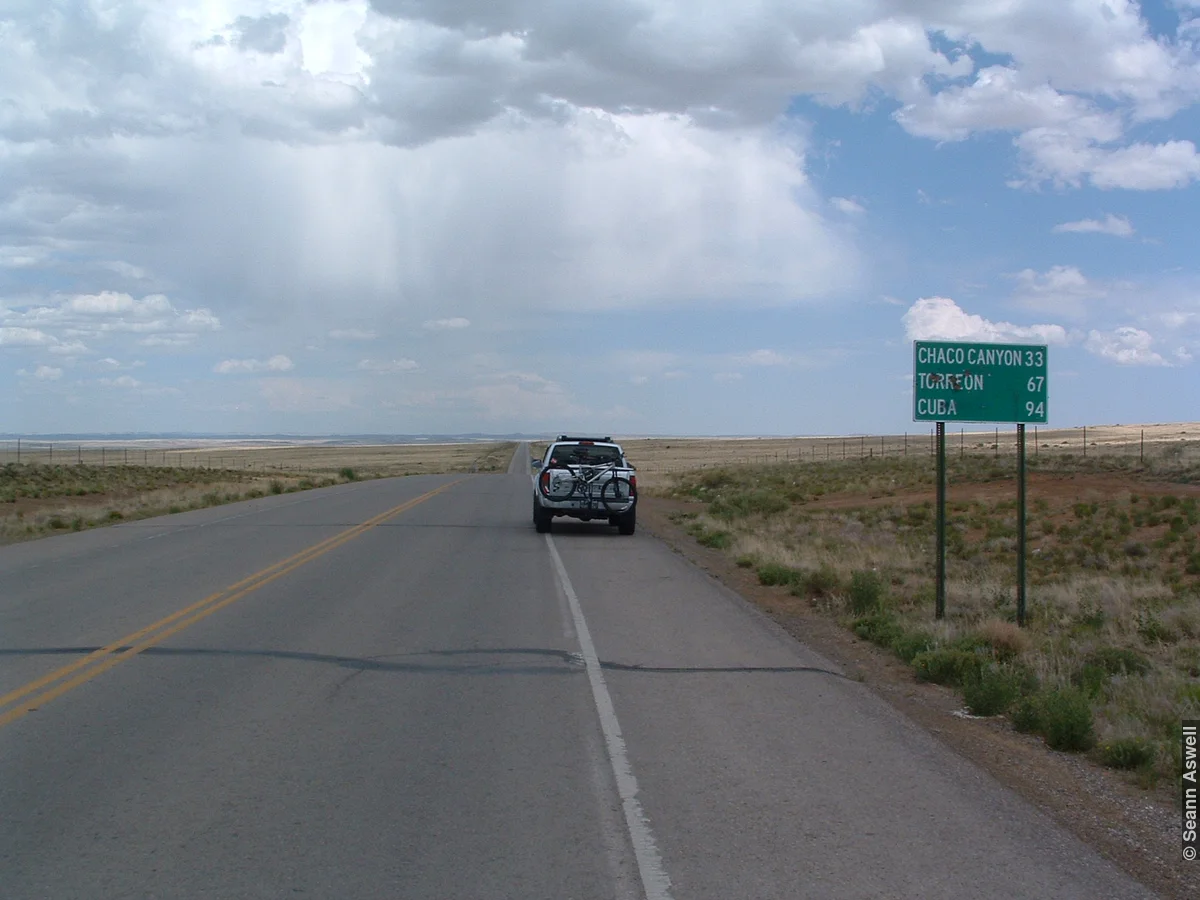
584, 508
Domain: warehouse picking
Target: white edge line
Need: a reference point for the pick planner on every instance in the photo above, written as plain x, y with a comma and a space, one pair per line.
655, 883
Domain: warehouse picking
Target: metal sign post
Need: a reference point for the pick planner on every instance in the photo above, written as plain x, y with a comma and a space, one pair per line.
1021, 524
941, 520
967, 382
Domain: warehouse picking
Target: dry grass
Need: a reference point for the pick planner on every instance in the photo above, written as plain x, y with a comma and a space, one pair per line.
311, 458
1005, 637
25, 483
368, 461
56, 515
37, 500
1113, 571
1165, 448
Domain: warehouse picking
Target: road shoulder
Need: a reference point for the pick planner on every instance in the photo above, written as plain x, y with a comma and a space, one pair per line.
1138, 831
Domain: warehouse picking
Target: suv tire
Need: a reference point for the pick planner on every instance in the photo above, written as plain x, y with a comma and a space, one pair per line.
627, 522
541, 518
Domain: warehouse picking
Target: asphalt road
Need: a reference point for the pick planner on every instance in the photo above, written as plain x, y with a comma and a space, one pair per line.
444, 704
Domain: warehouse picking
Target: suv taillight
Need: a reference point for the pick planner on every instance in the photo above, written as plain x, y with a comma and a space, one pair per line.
633, 485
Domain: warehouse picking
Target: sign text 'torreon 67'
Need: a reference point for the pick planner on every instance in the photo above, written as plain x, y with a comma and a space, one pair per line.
955, 382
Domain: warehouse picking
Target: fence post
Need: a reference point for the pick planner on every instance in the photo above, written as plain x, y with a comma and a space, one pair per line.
862, 446
52, 454
102, 456
80, 459
962, 443
1142, 447
1085, 442
18, 451
996, 445
906, 443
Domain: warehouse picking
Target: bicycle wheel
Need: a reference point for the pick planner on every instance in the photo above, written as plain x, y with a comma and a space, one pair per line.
558, 484
616, 493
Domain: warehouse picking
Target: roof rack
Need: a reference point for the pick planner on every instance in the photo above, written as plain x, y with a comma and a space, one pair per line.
598, 440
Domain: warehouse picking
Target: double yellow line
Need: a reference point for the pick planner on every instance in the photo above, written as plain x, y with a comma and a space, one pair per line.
27, 698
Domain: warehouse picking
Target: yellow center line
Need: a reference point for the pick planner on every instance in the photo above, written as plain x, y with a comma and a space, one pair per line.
134, 643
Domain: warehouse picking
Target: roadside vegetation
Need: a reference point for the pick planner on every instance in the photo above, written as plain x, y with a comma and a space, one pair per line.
37, 500
1109, 662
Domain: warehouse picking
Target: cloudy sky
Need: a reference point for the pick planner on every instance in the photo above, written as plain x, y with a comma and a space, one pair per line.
643, 216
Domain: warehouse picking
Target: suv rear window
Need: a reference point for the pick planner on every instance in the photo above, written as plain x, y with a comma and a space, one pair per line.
583, 454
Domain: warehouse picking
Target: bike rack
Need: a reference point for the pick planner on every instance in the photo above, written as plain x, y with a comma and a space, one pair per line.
592, 480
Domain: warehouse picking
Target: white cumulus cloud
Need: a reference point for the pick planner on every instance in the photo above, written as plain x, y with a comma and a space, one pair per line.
1127, 346
512, 395
1070, 158
109, 364
388, 367
1147, 167
447, 324
1118, 226
847, 206
306, 395
278, 363
1061, 290
940, 318
122, 381
61, 321
19, 336
765, 358
42, 373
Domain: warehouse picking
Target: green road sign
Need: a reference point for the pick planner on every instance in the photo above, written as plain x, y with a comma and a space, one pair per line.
955, 382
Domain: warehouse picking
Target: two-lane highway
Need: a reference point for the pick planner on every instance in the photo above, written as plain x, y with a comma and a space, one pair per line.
398, 689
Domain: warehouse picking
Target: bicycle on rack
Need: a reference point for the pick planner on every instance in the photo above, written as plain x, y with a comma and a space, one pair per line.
600, 483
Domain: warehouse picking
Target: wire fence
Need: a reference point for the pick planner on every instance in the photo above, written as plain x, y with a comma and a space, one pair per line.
277, 457
75, 453
663, 455
1180, 443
